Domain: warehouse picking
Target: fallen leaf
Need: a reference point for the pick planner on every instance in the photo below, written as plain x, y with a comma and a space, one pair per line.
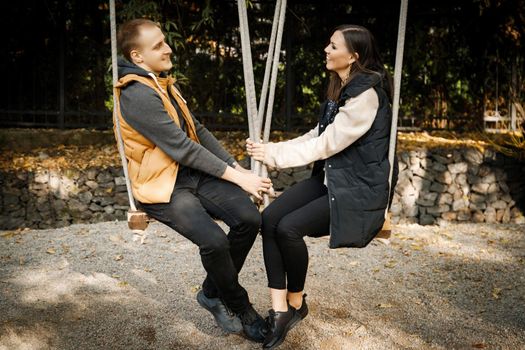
51, 250
391, 264
116, 238
118, 257
447, 234
479, 345
496, 293
416, 246
384, 306
8, 234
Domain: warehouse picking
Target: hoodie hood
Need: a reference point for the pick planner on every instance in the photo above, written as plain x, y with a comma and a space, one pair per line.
126, 67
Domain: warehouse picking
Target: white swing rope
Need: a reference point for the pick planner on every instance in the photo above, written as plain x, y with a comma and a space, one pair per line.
397, 87
114, 70
247, 65
256, 116
273, 83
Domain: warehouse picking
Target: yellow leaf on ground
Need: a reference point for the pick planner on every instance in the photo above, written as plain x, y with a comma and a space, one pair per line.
496, 293
385, 306
8, 234
391, 264
416, 246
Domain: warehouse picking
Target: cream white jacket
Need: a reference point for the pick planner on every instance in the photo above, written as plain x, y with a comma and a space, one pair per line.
351, 122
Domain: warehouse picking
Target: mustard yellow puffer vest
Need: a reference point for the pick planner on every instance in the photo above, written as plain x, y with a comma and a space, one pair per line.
152, 172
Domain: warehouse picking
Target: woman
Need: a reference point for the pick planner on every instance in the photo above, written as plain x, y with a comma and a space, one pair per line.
348, 192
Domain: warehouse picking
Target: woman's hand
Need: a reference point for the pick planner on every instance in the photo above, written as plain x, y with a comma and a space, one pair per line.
255, 150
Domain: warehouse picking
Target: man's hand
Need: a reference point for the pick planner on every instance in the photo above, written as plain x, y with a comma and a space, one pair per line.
251, 183
255, 150
255, 184
242, 170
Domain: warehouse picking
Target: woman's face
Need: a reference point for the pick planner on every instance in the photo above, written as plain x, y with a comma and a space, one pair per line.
338, 58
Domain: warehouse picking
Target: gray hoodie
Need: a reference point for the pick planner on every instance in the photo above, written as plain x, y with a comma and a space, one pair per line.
142, 108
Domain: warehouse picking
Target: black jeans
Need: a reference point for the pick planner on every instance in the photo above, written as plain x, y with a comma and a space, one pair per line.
302, 210
195, 201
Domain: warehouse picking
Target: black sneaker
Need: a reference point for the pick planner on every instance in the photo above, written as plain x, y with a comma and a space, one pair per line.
303, 310
224, 317
279, 323
253, 324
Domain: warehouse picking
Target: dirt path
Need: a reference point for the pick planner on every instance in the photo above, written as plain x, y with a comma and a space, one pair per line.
93, 287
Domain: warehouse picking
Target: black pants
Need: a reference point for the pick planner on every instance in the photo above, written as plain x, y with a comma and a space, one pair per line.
195, 201
302, 210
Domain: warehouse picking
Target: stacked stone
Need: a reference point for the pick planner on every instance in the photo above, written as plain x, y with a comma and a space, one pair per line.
49, 198
434, 187
452, 185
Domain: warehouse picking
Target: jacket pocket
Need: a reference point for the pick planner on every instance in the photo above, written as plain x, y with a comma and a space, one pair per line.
143, 169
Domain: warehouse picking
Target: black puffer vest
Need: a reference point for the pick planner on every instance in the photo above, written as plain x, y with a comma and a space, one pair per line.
357, 177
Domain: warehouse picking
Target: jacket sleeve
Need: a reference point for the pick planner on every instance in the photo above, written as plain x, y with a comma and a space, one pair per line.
352, 121
309, 135
144, 111
211, 143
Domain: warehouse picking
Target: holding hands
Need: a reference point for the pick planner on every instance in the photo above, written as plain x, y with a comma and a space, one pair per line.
255, 150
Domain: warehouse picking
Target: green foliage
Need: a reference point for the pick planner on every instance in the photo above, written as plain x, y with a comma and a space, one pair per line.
456, 53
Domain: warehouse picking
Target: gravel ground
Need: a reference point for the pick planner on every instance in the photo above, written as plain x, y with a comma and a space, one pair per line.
95, 287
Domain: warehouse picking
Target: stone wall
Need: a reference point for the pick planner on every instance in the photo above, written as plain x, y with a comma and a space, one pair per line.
458, 185
434, 186
50, 198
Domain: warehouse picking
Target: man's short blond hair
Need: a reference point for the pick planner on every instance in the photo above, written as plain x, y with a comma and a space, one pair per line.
128, 34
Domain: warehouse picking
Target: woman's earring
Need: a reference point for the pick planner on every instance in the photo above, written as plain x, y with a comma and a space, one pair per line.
345, 80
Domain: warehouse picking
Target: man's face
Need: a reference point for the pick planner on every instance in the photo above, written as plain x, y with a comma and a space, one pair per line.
153, 53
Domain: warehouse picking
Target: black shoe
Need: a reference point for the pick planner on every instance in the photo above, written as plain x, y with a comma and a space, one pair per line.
224, 317
253, 324
303, 310
279, 323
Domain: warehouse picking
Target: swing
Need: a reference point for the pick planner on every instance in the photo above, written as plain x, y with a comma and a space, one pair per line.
499, 120
137, 219
255, 124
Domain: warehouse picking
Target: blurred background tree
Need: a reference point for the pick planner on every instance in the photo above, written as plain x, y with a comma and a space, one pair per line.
457, 54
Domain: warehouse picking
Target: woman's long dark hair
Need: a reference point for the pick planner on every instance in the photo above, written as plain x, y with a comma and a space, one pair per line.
359, 40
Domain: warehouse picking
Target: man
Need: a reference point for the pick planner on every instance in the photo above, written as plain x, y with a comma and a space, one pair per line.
183, 177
